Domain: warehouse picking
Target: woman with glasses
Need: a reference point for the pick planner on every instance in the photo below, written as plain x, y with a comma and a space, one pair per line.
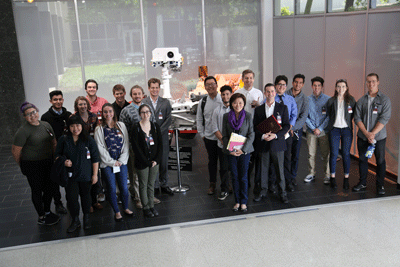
33, 147
145, 137
113, 142
240, 122
340, 109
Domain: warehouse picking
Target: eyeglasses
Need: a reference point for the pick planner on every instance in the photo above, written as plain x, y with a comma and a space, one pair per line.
281, 84
145, 112
341, 81
31, 113
210, 84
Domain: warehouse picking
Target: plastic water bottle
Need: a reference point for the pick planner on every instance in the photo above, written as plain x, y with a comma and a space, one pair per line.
371, 149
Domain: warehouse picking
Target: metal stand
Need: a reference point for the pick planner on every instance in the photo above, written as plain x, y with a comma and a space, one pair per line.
179, 188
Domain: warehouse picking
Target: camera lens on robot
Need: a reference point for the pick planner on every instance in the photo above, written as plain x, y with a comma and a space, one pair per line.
170, 54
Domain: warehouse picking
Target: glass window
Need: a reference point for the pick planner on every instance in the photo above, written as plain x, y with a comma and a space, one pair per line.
284, 7
347, 5
384, 3
310, 6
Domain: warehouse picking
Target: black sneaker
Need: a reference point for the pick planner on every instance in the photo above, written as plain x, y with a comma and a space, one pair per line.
359, 187
60, 209
51, 219
380, 190
40, 221
223, 195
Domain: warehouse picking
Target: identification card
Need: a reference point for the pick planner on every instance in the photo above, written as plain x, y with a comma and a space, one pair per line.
279, 119
375, 110
160, 117
323, 111
87, 153
151, 141
70, 174
116, 169
350, 110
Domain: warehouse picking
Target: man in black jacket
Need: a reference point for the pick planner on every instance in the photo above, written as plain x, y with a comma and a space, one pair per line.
57, 117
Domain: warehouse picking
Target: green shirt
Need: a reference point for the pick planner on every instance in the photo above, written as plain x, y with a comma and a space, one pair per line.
35, 141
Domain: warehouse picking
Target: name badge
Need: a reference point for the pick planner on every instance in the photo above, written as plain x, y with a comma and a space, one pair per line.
70, 174
151, 141
160, 117
116, 169
350, 110
375, 110
323, 111
87, 153
279, 119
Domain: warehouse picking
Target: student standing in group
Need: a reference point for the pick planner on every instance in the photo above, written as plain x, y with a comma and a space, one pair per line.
90, 121
217, 117
147, 145
238, 121
120, 102
373, 111
316, 122
161, 108
96, 102
113, 143
340, 110
272, 145
32, 149
297, 130
204, 114
57, 117
129, 116
82, 162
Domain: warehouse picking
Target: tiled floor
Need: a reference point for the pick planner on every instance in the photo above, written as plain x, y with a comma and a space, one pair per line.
18, 216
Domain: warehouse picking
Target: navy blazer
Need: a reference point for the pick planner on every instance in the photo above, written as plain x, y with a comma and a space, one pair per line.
331, 110
274, 145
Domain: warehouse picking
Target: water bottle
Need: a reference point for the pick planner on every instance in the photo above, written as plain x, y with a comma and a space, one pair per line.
371, 149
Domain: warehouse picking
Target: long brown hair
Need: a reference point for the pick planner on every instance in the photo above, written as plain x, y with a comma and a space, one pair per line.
84, 99
103, 121
347, 95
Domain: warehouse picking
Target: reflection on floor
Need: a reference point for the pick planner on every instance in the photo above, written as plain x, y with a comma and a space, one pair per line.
18, 217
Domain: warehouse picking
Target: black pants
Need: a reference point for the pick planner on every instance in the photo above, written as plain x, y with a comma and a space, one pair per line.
223, 170
57, 196
212, 151
362, 147
75, 189
42, 187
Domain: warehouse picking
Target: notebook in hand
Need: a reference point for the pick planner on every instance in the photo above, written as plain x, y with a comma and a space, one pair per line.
270, 124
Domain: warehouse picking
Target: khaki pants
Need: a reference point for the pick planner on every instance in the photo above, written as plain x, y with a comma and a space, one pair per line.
313, 142
133, 178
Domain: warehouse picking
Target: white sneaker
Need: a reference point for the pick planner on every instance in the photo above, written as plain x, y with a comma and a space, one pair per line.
327, 180
309, 178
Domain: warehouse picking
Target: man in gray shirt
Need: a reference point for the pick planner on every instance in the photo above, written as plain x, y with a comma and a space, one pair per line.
217, 118
372, 113
204, 127
297, 130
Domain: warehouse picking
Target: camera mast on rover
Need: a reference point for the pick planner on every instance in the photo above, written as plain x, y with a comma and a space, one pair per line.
167, 58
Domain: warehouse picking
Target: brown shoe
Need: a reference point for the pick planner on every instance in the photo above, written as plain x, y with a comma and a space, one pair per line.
156, 200
139, 204
91, 210
211, 189
97, 206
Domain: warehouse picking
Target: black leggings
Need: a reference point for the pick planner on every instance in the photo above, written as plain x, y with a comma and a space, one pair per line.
42, 187
72, 191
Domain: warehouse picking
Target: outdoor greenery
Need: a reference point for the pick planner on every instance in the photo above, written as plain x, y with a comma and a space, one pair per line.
109, 74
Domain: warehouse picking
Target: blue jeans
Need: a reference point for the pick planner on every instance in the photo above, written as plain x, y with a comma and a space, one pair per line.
121, 178
345, 137
238, 167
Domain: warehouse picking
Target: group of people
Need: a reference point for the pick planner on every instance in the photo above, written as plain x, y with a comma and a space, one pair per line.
117, 139
130, 140
274, 156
